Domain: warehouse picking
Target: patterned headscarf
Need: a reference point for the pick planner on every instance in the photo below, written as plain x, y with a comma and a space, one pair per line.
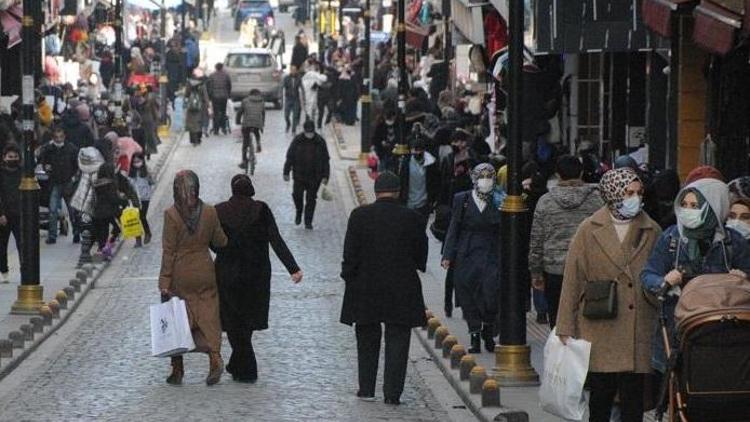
612, 187
186, 191
739, 188
482, 171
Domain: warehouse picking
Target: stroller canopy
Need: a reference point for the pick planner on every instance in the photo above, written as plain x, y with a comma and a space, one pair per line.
710, 296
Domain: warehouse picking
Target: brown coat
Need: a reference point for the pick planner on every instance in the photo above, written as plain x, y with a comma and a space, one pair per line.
622, 344
187, 270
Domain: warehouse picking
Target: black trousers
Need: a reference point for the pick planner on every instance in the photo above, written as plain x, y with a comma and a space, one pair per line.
397, 338
220, 114
195, 138
247, 140
13, 226
604, 387
144, 220
305, 195
552, 290
242, 364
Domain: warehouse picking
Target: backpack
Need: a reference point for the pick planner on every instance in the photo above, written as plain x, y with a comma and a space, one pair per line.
194, 102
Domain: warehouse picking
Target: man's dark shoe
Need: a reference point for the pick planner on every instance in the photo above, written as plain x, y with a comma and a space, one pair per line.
76, 238
392, 401
298, 219
488, 335
243, 165
366, 396
50, 241
476, 343
258, 150
308, 226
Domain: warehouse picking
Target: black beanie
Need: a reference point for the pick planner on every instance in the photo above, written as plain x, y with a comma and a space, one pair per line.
241, 185
387, 182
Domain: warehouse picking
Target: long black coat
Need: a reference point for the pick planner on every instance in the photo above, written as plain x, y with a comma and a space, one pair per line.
243, 267
384, 247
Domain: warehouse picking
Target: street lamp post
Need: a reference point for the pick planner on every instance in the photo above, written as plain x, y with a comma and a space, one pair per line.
366, 98
163, 78
513, 355
402, 148
30, 292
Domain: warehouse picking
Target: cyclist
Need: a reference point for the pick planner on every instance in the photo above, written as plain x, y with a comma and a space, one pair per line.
252, 117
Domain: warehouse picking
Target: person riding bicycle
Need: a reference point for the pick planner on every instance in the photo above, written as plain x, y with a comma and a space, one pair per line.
252, 116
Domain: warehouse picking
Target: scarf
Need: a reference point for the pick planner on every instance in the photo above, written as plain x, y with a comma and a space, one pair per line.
699, 239
482, 171
612, 188
187, 202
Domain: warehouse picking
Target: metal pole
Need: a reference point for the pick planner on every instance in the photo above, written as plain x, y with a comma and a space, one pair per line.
402, 148
30, 291
366, 99
513, 355
447, 33
182, 20
163, 79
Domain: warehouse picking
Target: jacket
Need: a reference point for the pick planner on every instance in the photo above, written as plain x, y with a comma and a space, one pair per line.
76, 132
622, 344
252, 112
62, 162
300, 52
10, 195
89, 161
432, 183
556, 218
293, 90
305, 168
219, 85
384, 247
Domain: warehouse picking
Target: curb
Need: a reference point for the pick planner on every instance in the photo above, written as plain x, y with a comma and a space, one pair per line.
96, 273
338, 139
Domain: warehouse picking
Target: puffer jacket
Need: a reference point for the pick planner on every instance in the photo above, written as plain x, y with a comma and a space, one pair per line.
252, 113
219, 85
89, 161
557, 216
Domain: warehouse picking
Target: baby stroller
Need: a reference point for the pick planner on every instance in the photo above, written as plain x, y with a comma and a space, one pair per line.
708, 372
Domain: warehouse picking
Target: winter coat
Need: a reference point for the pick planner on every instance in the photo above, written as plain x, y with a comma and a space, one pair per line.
307, 164
219, 85
621, 344
311, 82
89, 161
76, 132
294, 93
187, 271
63, 162
300, 53
385, 245
557, 216
10, 195
194, 118
243, 266
432, 183
143, 186
471, 245
252, 113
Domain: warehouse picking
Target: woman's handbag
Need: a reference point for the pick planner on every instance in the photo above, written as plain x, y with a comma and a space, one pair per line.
600, 300
130, 221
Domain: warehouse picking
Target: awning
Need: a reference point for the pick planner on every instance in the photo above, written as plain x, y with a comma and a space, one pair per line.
468, 20
657, 14
715, 27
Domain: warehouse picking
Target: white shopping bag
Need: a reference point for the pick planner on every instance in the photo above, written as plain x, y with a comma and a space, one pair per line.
565, 370
170, 329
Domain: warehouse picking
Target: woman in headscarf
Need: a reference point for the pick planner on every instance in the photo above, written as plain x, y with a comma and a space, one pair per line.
187, 270
608, 252
471, 250
243, 271
698, 244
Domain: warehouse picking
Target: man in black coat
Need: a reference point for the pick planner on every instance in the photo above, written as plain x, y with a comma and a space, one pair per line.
59, 158
384, 247
308, 160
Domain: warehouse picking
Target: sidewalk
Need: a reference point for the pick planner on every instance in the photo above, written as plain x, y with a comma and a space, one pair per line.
57, 270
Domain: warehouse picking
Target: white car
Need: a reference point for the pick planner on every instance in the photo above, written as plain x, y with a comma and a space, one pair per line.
255, 68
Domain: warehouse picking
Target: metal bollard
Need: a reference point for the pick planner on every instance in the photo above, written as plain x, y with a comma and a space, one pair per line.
490, 394
440, 334
476, 379
467, 364
28, 332
37, 323
46, 314
17, 338
6, 348
54, 306
70, 292
432, 325
62, 299
457, 353
75, 284
448, 343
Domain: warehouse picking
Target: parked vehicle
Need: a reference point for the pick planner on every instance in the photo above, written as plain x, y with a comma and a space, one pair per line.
255, 68
259, 10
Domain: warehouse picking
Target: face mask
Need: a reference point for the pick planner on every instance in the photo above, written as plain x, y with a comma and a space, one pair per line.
309, 135
740, 226
58, 144
630, 207
12, 163
137, 164
390, 122
690, 218
485, 185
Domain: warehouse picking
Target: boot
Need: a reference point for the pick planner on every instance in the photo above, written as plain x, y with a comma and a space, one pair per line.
175, 378
476, 343
488, 335
147, 239
138, 242
216, 368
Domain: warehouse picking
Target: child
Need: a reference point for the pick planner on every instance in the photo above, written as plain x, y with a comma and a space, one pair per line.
143, 183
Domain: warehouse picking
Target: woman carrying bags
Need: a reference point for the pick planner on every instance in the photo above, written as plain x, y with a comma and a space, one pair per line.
604, 261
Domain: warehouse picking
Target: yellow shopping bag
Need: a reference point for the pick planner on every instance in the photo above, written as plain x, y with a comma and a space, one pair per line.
130, 221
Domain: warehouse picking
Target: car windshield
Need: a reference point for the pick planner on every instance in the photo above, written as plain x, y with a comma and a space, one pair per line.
249, 60
252, 4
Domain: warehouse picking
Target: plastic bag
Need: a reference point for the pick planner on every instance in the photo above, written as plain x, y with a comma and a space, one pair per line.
130, 222
170, 328
325, 193
565, 370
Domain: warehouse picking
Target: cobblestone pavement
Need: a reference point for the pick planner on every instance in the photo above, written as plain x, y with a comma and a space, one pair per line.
102, 369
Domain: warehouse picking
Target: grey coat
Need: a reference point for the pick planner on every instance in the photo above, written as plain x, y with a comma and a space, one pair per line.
252, 113
194, 118
219, 85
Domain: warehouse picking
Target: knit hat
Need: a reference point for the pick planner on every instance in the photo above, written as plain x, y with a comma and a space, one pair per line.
309, 126
703, 172
612, 187
242, 185
387, 181
739, 188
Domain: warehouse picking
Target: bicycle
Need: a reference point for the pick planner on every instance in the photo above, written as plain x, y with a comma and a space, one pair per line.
249, 160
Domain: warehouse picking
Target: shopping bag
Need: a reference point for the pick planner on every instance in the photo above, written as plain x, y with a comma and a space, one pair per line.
130, 221
325, 193
565, 370
170, 329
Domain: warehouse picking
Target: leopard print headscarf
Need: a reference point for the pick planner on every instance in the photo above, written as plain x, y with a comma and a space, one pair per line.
612, 188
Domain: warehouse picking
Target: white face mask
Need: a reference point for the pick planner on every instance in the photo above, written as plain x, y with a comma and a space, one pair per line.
631, 207
740, 226
691, 218
485, 185
309, 135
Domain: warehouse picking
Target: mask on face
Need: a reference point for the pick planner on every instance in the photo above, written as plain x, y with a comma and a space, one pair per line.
12, 163
485, 185
631, 207
309, 135
740, 226
691, 218
137, 164
390, 122
57, 143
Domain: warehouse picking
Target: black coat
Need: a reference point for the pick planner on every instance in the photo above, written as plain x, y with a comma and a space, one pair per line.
63, 162
76, 132
10, 195
243, 267
384, 247
304, 167
300, 53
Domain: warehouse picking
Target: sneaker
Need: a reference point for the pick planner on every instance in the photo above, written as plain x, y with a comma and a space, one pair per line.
50, 241
392, 401
5, 278
366, 397
308, 226
298, 219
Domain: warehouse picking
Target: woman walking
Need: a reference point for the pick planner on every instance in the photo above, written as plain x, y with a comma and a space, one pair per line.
243, 271
608, 253
196, 108
471, 250
143, 183
187, 270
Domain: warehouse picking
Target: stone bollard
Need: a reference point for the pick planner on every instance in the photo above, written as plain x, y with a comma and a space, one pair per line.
28, 332
440, 334
6, 349
467, 364
89, 268
429, 314
448, 343
81, 276
457, 353
62, 299
37, 323
70, 292
54, 306
17, 338
490, 394
75, 284
97, 259
46, 314
476, 379
432, 325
